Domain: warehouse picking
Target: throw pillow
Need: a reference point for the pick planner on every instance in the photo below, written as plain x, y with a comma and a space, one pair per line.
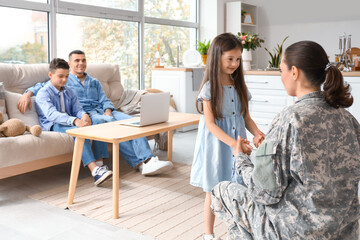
2, 101
30, 117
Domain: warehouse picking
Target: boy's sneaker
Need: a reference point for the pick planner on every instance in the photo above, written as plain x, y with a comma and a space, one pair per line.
101, 174
155, 166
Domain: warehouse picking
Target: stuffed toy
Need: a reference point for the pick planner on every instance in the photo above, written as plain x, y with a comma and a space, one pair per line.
15, 127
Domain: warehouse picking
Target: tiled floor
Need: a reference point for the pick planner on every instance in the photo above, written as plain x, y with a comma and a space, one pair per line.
25, 218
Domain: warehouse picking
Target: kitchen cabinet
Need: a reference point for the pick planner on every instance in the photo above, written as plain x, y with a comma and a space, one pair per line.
182, 83
269, 97
355, 92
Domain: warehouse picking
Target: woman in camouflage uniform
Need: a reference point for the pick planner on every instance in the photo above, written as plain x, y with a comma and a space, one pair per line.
303, 182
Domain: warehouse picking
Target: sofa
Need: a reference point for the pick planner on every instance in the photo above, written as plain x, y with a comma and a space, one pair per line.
27, 153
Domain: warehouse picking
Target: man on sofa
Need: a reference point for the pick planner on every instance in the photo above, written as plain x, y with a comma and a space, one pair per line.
59, 110
94, 101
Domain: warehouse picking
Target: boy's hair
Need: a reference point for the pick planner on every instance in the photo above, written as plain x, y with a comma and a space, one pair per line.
223, 43
58, 63
75, 52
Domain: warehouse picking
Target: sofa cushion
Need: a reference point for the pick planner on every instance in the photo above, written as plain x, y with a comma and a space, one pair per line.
18, 77
109, 77
25, 148
30, 117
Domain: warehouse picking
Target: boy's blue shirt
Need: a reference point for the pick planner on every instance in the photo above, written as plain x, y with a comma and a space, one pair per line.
48, 106
91, 96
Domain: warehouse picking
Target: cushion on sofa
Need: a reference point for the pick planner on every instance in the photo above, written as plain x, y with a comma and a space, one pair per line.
18, 77
30, 117
109, 77
25, 148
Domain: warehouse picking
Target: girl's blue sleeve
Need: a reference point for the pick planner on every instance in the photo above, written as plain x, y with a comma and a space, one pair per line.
205, 92
35, 89
249, 95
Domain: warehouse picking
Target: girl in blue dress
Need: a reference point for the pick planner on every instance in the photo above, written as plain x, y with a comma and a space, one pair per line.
223, 101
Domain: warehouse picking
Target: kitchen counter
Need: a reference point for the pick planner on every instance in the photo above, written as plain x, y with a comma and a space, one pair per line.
251, 72
277, 73
180, 69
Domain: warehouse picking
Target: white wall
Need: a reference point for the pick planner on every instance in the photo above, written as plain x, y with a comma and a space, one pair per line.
322, 21
212, 17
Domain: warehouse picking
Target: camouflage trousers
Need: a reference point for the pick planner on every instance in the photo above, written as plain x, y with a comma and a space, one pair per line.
245, 219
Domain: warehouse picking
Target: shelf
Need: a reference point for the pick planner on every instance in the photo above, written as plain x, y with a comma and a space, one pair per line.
248, 25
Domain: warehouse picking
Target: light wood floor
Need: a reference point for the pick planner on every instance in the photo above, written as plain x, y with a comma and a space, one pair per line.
163, 207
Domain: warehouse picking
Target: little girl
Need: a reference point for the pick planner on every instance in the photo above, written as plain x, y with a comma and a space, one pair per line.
223, 99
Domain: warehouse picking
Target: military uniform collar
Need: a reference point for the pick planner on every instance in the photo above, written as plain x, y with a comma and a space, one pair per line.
312, 95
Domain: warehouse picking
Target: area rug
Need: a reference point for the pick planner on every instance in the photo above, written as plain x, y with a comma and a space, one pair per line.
164, 206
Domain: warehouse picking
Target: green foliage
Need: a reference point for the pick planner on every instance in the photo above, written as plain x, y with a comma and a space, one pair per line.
25, 53
276, 57
250, 41
203, 47
116, 42
243, 12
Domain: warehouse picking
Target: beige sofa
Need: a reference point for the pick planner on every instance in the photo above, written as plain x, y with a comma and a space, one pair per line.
27, 153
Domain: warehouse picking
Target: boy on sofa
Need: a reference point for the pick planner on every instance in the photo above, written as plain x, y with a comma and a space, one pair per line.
92, 97
59, 110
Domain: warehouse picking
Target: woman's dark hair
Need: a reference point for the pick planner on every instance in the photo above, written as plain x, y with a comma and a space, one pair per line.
312, 59
57, 63
223, 43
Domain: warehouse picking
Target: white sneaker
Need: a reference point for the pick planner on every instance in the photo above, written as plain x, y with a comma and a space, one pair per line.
155, 166
209, 237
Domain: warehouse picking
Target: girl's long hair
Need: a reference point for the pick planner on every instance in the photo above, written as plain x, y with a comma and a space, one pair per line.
312, 59
223, 43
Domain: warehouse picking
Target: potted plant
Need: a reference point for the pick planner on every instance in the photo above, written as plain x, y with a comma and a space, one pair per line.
274, 63
249, 42
202, 48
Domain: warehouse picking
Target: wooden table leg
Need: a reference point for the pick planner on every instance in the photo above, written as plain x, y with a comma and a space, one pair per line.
115, 153
170, 140
75, 167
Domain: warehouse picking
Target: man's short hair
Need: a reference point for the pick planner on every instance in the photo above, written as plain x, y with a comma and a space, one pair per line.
57, 63
75, 52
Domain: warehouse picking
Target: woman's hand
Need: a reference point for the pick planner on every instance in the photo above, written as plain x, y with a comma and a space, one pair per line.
242, 145
259, 138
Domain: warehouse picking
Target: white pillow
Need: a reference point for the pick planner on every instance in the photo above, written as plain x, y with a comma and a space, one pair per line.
30, 117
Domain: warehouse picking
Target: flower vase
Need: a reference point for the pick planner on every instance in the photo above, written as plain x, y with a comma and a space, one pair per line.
204, 57
247, 58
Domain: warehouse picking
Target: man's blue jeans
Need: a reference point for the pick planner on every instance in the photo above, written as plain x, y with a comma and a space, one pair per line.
99, 149
134, 151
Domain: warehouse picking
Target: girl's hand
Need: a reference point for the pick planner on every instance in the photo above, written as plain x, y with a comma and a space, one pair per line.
259, 138
242, 145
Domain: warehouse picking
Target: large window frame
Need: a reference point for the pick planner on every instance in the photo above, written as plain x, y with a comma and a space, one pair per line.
54, 7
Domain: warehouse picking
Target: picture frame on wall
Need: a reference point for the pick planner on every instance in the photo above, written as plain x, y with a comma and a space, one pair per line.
248, 18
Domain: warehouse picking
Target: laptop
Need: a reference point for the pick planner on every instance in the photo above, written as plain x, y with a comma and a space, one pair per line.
154, 109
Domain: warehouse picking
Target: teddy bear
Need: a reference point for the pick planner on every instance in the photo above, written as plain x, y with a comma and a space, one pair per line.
15, 127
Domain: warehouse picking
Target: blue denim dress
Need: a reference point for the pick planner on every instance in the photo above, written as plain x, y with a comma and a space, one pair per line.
213, 161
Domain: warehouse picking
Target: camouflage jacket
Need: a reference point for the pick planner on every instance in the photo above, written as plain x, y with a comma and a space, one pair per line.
307, 170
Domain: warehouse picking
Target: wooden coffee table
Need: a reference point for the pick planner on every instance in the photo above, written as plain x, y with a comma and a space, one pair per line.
115, 133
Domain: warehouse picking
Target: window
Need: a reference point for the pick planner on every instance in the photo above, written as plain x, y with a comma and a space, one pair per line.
123, 32
103, 41
171, 9
169, 38
120, 4
21, 41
